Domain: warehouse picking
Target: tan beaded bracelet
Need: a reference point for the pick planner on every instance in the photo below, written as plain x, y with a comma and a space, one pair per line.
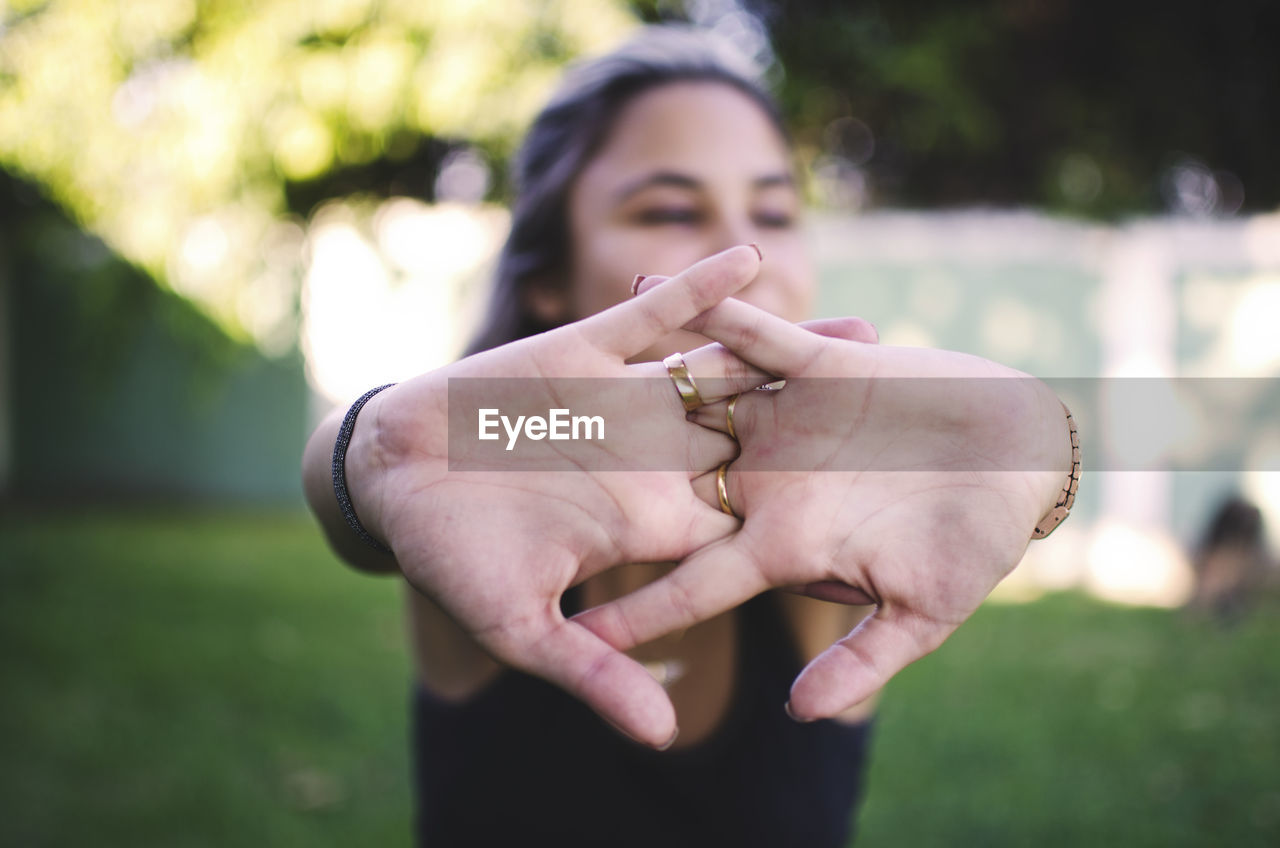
1067, 497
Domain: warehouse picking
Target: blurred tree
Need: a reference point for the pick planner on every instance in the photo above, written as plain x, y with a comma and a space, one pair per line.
184, 132
191, 134
1084, 106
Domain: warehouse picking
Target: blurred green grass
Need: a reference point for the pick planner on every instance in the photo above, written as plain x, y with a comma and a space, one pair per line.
1070, 722
197, 680
218, 679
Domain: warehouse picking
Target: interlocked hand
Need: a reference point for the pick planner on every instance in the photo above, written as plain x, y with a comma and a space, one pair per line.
907, 478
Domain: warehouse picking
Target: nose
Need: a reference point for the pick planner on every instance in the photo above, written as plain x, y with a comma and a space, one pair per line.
735, 230
731, 231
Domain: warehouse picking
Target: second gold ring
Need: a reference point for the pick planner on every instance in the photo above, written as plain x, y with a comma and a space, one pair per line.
722, 490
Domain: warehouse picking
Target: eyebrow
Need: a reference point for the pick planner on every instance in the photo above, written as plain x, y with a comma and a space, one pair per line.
678, 180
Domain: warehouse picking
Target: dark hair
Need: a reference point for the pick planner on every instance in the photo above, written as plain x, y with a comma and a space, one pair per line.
568, 131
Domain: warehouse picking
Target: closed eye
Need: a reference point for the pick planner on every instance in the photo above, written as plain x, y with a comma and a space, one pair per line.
669, 216
774, 220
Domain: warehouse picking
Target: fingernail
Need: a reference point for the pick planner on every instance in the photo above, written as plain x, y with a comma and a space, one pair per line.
793, 716
756, 248
665, 745
635, 284
626, 733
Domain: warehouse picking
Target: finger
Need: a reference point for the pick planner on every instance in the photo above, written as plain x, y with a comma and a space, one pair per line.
617, 687
849, 328
711, 581
858, 665
645, 282
719, 373
772, 344
704, 486
693, 522
708, 449
633, 325
715, 416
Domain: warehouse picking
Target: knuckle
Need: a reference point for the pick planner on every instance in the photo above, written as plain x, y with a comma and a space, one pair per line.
683, 603
748, 335
736, 370
866, 662
622, 636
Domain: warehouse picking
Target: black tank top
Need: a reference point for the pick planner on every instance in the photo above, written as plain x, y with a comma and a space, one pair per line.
523, 763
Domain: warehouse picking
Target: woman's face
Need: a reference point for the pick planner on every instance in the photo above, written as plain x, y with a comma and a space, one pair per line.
689, 169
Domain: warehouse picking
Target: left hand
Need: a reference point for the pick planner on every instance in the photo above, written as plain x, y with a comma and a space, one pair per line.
878, 487
496, 544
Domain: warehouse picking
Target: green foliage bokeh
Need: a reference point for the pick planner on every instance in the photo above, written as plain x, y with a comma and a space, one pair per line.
172, 128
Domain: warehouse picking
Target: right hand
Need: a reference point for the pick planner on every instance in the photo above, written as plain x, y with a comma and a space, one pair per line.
907, 478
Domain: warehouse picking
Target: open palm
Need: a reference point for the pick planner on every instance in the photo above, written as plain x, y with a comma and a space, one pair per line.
907, 478
497, 548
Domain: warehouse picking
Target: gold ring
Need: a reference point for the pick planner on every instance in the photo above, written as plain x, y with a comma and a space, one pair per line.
728, 416
679, 372
722, 490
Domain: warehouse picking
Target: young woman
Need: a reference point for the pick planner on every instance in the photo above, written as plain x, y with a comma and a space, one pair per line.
645, 162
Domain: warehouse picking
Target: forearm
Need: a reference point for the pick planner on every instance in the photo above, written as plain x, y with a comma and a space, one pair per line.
317, 484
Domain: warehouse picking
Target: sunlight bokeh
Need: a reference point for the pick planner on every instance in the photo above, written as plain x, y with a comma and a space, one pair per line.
387, 291
175, 135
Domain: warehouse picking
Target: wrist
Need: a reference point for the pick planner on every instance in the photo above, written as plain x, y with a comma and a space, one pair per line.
359, 469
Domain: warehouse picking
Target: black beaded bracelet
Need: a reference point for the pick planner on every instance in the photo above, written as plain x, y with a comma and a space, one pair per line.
340, 470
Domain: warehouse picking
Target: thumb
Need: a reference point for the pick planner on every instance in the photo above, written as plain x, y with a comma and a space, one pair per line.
617, 687
857, 666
